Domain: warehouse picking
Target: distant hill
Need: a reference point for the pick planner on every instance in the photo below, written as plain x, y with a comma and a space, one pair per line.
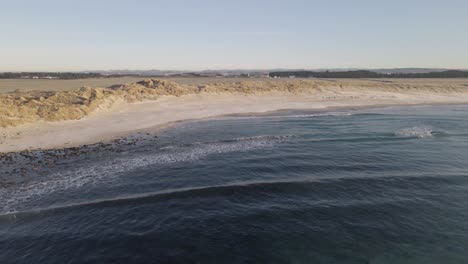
410, 70
379, 70
49, 75
152, 72
369, 74
320, 73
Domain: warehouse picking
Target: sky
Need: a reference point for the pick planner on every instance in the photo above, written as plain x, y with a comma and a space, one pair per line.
67, 35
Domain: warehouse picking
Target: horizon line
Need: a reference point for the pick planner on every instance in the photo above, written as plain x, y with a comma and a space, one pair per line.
238, 69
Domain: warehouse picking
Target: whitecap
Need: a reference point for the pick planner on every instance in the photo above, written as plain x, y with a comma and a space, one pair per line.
415, 131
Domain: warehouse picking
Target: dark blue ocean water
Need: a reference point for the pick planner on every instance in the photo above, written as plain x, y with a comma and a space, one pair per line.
383, 185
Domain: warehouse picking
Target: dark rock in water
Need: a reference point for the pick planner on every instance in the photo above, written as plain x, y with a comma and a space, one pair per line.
30, 164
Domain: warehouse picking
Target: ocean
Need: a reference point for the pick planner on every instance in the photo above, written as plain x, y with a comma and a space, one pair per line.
382, 185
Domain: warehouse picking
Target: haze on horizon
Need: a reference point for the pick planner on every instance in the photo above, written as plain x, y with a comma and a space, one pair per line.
66, 35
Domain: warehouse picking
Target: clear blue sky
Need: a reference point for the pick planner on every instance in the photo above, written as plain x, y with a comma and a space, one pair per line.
141, 34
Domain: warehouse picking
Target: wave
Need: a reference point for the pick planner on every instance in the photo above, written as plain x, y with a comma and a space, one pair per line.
320, 115
179, 192
259, 138
214, 190
416, 131
290, 116
14, 197
197, 191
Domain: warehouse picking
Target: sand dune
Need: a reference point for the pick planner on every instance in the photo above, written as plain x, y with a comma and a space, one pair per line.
39, 119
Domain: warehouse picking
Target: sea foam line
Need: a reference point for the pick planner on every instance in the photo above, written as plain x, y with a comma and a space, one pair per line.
289, 116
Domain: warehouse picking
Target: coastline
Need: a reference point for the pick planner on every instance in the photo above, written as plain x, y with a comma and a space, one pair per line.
153, 116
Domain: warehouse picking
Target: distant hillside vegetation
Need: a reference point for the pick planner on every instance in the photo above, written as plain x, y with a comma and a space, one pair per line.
368, 74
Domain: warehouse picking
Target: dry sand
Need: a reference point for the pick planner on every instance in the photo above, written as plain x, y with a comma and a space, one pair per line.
89, 115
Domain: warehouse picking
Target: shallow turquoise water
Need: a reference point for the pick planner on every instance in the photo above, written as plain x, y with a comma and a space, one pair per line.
357, 186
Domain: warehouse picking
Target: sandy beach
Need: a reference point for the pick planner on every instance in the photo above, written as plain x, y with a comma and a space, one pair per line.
114, 117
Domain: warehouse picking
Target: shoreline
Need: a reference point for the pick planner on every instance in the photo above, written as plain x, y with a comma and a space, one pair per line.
54, 120
155, 116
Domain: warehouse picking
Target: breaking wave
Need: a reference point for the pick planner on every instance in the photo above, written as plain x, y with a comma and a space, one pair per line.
14, 196
291, 116
416, 131
273, 185
321, 115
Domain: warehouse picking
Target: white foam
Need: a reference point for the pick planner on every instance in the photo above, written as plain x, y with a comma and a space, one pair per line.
12, 198
321, 115
264, 138
291, 116
416, 131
